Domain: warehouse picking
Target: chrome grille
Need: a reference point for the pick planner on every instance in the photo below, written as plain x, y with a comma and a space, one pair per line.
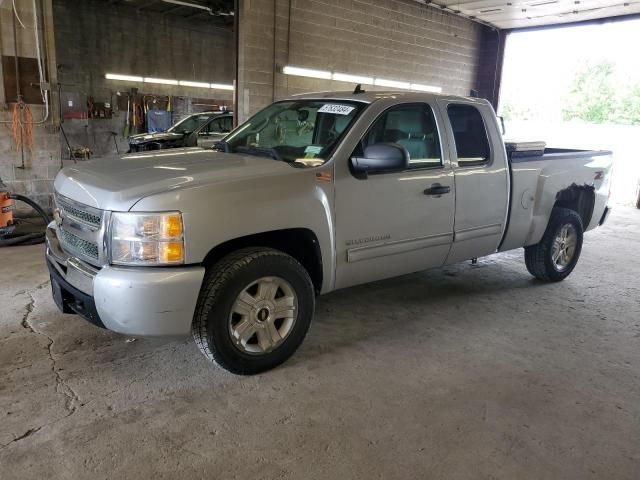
75, 244
87, 215
81, 230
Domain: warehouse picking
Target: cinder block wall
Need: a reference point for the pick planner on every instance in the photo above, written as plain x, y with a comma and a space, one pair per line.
84, 40
394, 39
94, 37
42, 162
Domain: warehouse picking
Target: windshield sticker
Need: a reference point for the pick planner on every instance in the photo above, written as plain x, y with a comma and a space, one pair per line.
312, 150
336, 109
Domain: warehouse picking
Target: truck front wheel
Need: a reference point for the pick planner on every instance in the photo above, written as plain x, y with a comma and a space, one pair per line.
557, 254
254, 310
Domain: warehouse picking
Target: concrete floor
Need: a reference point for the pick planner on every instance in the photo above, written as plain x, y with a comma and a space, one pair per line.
465, 372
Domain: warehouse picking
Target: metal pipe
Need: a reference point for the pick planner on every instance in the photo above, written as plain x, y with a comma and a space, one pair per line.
18, 92
275, 33
15, 59
38, 56
236, 60
289, 34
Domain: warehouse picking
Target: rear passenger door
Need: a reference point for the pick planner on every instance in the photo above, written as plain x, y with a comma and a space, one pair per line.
481, 178
387, 224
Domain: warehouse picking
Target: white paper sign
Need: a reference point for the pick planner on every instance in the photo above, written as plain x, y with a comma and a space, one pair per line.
336, 109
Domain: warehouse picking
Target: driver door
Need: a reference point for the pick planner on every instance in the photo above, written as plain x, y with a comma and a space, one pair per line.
388, 224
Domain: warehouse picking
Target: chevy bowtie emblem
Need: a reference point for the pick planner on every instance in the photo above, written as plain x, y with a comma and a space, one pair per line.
57, 217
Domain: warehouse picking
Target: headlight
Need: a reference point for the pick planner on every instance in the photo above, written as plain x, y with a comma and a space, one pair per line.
147, 238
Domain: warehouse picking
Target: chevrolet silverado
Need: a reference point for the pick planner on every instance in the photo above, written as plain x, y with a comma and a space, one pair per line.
314, 193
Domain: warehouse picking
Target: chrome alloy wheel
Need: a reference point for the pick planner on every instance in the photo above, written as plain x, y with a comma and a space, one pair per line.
564, 247
263, 315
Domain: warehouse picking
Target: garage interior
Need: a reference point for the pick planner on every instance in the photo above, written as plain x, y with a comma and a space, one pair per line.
470, 371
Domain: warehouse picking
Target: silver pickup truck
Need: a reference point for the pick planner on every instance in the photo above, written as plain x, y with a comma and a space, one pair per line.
314, 193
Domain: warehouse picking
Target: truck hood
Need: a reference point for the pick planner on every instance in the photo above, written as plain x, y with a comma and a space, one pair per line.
154, 137
118, 183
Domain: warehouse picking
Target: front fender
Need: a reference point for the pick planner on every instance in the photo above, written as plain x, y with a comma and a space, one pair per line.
217, 213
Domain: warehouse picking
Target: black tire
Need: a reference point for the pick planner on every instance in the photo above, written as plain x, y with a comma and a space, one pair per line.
538, 258
222, 285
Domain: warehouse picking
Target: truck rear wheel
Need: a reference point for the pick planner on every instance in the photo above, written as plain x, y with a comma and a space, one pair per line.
556, 255
254, 310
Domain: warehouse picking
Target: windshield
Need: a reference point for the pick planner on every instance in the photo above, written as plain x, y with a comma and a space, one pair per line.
190, 124
303, 131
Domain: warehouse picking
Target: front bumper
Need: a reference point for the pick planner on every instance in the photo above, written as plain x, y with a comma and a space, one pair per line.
135, 301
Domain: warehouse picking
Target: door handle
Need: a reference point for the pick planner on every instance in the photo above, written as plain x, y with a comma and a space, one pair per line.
437, 189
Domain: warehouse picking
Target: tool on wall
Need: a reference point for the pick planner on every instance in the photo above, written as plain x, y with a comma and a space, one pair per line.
115, 141
98, 109
137, 114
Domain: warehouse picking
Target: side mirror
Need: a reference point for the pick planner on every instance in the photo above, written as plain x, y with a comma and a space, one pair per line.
381, 157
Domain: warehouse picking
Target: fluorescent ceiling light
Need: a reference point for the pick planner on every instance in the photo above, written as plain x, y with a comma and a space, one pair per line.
168, 81
162, 81
306, 72
221, 86
186, 83
363, 79
425, 88
126, 78
381, 82
201, 7
345, 77
188, 4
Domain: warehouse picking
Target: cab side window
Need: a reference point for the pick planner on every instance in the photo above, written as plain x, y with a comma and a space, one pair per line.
226, 124
472, 142
219, 125
212, 127
414, 127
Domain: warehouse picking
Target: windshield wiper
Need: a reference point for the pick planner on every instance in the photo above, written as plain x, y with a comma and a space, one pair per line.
261, 151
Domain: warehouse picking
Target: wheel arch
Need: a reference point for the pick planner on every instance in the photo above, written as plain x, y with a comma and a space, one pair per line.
580, 199
301, 243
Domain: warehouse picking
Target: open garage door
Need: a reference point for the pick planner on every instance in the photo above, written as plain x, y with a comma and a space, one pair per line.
577, 86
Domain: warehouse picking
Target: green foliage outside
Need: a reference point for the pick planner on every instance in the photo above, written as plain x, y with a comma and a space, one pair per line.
598, 96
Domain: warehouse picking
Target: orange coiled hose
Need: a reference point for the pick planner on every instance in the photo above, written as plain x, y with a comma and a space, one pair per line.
22, 132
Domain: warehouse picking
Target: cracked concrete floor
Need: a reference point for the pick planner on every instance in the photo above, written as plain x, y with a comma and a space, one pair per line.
465, 372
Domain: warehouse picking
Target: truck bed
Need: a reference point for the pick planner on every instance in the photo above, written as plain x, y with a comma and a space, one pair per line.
536, 181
